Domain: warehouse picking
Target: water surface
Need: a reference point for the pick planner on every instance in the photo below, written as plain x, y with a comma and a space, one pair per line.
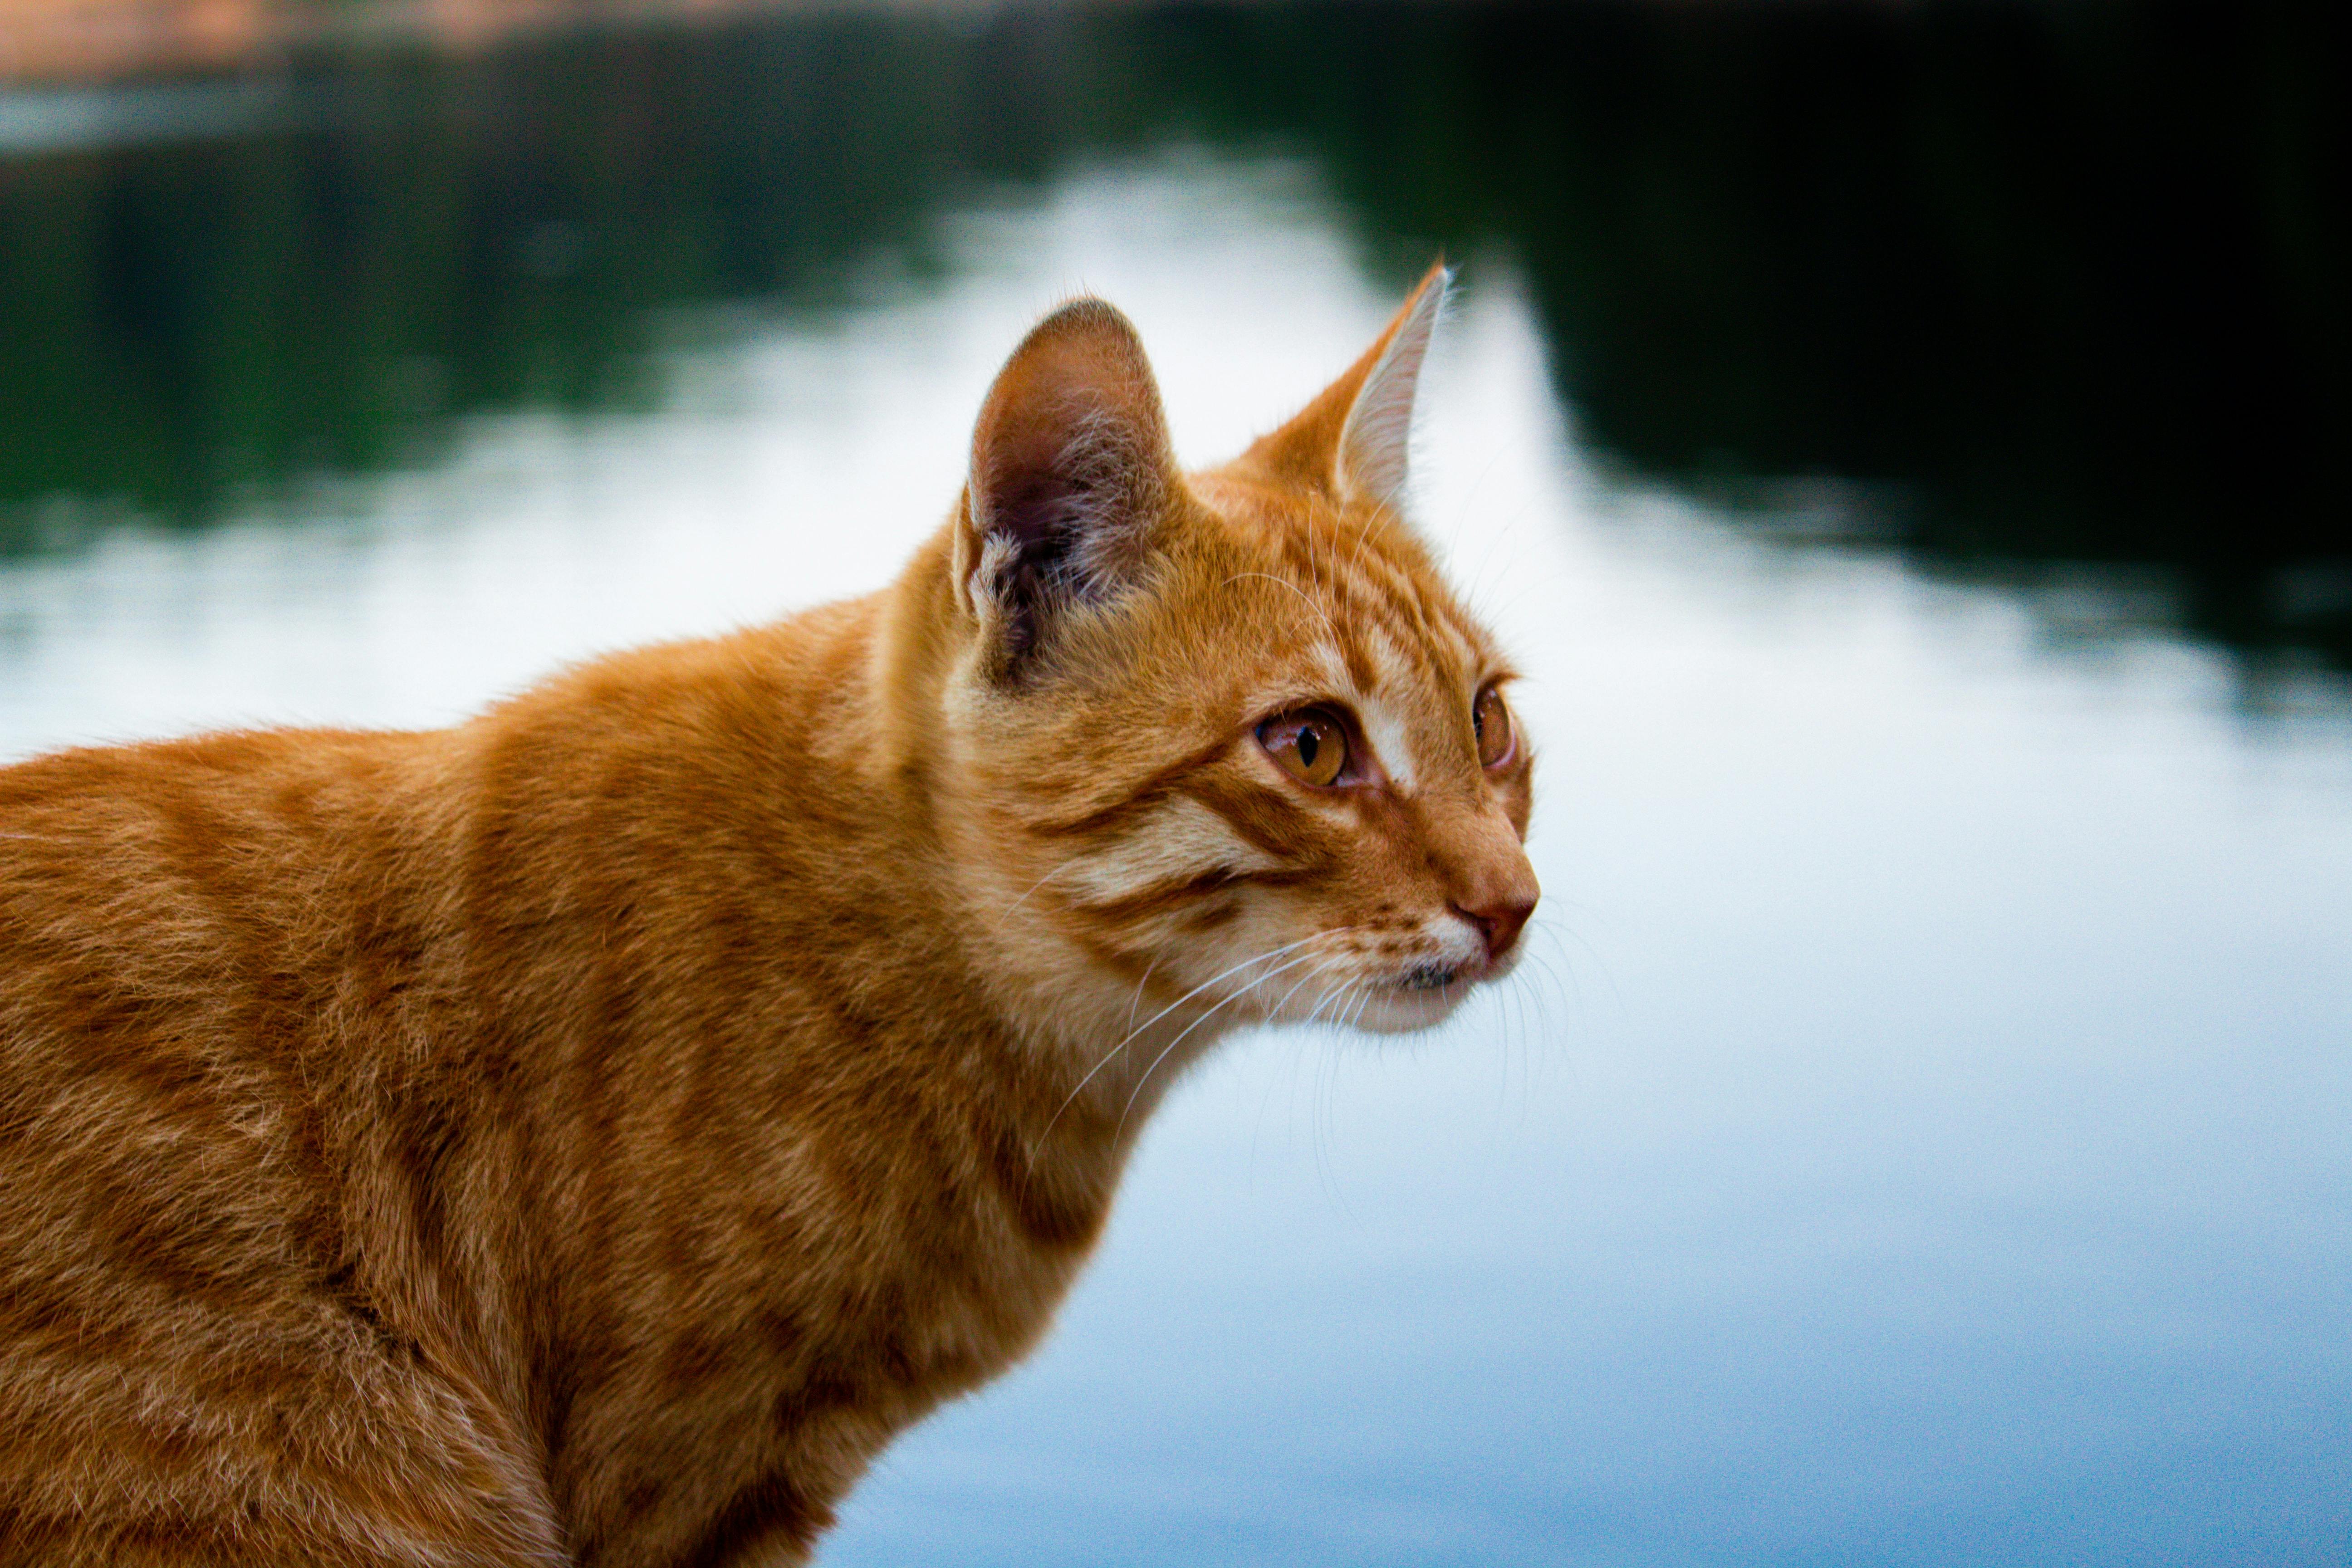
1917, 1136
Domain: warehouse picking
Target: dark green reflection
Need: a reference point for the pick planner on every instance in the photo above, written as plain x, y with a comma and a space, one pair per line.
2061, 281
2054, 282
418, 238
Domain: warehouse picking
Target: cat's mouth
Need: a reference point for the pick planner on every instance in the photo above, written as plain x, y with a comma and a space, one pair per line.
1427, 992
1429, 977
1420, 997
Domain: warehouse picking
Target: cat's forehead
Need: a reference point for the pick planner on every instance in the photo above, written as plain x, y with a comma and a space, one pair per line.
1386, 611
1364, 616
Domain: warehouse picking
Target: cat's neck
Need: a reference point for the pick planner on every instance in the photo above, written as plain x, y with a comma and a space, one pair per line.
1107, 1043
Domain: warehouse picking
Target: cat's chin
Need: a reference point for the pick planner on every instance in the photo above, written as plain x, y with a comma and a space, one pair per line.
1411, 1005
1405, 1012
1407, 1009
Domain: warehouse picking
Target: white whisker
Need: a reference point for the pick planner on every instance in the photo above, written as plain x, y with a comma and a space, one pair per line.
1328, 965
1007, 911
1137, 1001
1292, 587
1106, 1058
1195, 1024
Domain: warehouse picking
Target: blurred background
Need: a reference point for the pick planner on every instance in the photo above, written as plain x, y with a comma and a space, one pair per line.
1904, 442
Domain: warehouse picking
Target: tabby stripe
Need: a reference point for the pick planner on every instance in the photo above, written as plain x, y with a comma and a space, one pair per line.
1270, 823
1298, 552
1047, 1210
1160, 898
1156, 787
1362, 672
770, 1507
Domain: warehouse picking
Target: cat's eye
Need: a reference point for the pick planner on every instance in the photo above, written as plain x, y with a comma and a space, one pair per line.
1310, 744
1492, 720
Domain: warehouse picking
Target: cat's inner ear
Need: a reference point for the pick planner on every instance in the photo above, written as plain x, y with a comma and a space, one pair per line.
1353, 441
1071, 473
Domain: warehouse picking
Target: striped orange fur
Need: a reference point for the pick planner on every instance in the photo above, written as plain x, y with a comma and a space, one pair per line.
589, 1134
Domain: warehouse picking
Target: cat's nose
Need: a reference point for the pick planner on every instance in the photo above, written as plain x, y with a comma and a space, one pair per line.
1500, 918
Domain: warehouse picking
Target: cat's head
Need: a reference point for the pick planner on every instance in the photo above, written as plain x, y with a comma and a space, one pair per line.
1223, 741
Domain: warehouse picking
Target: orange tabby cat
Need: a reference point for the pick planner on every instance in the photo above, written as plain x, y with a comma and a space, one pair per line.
588, 1135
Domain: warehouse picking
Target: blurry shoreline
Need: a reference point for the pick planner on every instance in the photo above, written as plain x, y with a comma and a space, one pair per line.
50, 44
2031, 292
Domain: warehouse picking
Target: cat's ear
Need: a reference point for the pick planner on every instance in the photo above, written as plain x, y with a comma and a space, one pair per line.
1070, 474
1351, 442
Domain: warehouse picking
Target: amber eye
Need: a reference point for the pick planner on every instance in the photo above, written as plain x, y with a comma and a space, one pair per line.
1310, 744
1492, 720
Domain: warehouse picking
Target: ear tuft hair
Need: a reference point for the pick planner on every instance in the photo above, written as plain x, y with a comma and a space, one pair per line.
1070, 473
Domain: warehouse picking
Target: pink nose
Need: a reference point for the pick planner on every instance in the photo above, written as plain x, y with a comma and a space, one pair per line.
1499, 921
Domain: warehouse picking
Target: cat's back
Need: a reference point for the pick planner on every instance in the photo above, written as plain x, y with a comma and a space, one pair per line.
224, 959
252, 988
187, 931
195, 902
255, 894
177, 920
